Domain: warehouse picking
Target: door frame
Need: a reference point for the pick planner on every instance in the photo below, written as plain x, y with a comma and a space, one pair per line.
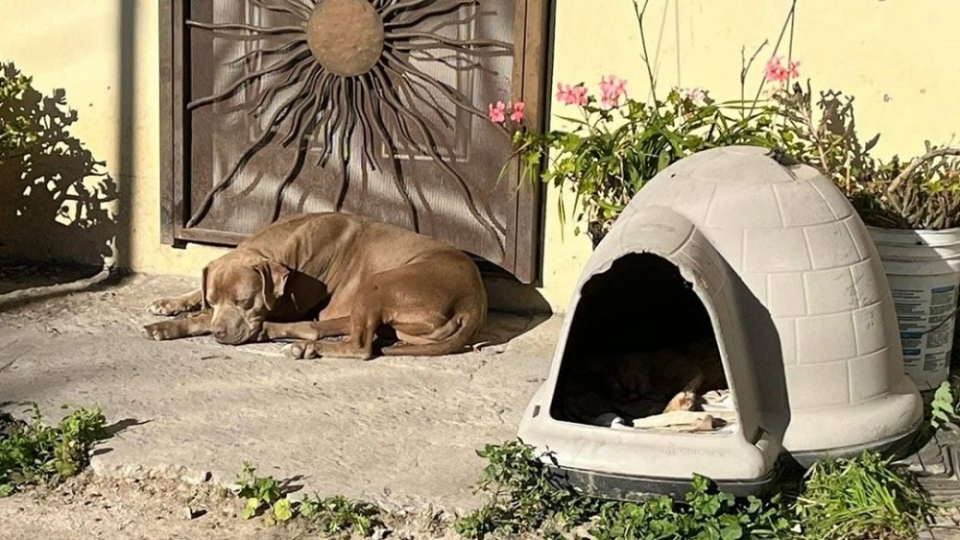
530, 82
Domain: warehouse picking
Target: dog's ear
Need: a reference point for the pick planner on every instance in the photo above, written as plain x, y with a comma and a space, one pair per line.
203, 289
274, 281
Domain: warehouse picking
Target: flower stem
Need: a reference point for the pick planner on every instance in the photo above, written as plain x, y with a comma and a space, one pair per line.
643, 43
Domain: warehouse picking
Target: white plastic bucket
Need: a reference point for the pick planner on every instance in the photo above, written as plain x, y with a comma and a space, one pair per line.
923, 268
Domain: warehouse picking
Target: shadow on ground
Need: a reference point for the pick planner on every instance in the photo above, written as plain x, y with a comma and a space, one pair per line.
18, 276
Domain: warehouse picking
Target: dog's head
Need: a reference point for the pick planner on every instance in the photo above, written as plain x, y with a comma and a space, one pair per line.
242, 290
630, 376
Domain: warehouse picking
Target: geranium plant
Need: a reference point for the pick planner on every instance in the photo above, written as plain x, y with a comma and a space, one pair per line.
615, 143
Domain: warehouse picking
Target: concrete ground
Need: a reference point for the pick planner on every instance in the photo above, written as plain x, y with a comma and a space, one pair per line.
399, 431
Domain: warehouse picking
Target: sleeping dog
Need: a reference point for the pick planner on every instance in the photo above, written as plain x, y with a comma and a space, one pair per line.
360, 275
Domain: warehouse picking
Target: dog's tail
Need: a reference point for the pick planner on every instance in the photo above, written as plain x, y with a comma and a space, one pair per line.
464, 329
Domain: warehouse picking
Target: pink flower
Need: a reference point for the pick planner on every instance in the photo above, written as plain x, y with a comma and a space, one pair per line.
572, 95
612, 88
497, 112
579, 95
695, 95
777, 72
517, 114
792, 71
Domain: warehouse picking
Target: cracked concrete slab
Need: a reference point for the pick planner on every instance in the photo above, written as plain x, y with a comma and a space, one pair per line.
398, 431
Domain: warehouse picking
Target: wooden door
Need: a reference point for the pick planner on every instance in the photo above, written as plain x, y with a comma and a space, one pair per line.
373, 107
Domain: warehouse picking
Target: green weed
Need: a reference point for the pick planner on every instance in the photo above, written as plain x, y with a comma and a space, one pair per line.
340, 516
943, 408
522, 496
860, 498
32, 453
261, 493
332, 516
855, 499
705, 514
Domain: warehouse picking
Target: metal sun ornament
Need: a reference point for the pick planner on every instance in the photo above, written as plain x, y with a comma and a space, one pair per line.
349, 63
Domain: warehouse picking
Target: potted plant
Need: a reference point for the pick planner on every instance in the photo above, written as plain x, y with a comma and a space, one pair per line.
913, 214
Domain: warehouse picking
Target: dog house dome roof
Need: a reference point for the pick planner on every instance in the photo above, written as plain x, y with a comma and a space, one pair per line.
799, 307
802, 251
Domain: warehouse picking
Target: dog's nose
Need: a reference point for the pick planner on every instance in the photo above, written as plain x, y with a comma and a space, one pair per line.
220, 334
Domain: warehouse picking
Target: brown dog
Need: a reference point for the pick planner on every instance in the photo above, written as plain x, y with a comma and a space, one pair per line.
359, 274
640, 384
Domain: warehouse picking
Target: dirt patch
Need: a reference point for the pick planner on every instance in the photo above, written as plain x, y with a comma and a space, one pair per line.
94, 507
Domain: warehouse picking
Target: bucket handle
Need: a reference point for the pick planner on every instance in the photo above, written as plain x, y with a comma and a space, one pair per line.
943, 322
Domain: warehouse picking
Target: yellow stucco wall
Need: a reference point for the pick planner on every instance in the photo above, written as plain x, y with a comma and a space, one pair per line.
898, 57
77, 46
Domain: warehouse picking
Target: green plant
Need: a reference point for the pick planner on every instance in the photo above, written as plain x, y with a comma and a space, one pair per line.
523, 499
613, 148
262, 493
854, 499
862, 498
333, 516
943, 408
340, 516
522, 496
922, 194
32, 453
612, 151
706, 514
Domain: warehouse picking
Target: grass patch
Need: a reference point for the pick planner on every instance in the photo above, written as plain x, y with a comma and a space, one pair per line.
860, 498
32, 453
844, 499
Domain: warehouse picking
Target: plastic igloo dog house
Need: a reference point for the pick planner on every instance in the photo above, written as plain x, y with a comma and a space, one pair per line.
768, 263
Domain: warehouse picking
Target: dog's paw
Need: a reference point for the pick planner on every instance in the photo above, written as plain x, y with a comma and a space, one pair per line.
165, 307
162, 331
301, 350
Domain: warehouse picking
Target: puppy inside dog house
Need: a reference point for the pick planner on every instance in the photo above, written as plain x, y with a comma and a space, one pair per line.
736, 314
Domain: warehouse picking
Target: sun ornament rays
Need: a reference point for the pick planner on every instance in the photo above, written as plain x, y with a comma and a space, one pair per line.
346, 77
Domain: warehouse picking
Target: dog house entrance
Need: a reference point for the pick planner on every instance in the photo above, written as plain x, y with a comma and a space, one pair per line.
642, 355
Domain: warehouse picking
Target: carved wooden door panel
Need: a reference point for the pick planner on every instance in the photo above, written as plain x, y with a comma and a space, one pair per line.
374, 107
